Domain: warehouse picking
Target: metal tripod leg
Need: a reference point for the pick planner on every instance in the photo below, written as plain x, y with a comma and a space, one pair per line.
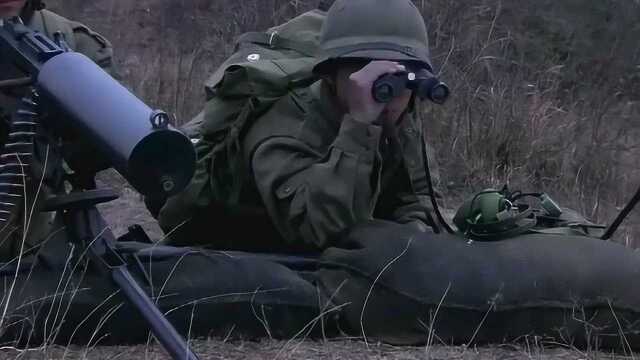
87, 228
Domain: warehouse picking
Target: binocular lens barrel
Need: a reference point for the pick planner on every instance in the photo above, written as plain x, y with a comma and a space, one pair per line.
391, 85
434, 90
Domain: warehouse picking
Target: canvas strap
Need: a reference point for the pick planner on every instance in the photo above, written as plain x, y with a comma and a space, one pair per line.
273, 40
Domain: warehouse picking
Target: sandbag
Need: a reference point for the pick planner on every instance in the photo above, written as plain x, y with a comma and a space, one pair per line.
397, 284
203, 293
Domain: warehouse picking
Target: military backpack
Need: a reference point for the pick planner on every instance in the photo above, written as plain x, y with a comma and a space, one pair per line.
264, 67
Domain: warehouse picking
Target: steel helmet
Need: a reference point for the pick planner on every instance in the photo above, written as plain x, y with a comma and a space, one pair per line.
373, 29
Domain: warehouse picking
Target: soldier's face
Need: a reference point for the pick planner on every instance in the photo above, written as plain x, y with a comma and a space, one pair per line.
10, 8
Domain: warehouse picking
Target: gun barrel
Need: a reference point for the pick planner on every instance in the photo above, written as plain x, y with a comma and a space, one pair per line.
138, 142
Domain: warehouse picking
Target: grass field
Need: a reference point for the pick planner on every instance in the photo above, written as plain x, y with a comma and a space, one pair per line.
546, 97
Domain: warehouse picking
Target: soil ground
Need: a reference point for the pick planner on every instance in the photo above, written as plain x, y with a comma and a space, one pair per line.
331, 349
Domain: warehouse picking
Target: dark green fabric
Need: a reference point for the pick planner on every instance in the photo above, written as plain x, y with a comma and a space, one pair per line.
395, 279
262, 70
310, 172
279, 157
202, 293
307, 47
385, 278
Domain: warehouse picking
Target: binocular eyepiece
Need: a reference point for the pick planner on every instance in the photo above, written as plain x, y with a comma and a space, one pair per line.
425, 85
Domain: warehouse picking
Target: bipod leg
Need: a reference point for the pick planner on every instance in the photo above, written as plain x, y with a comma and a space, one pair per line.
88, 229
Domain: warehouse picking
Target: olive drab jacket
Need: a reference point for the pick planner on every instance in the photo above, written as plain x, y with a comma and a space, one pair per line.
308, 173
41, 224
320, 172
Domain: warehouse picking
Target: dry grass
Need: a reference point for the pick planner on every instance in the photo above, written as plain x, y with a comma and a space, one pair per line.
333, 349
545, 97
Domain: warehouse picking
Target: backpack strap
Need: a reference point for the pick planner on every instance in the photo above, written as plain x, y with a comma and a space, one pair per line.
273, 40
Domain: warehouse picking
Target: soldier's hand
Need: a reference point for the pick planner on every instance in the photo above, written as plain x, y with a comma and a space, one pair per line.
359, 99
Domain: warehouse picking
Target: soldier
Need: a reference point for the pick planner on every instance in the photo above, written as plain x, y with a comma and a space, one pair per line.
79, 38
76, 35
323, 162
357, 158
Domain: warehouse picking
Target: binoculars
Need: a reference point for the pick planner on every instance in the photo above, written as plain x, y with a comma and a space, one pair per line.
423, 82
